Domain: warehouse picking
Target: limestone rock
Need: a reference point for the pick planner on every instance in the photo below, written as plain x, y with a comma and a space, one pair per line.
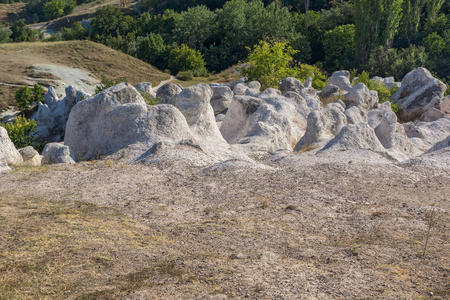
389, 82
322, 126
341, 79
52, 119
57, 153
308, 82
30, 156
355, 115
4, 167
440, 145
328, 90
419, 91
431, 115
291, 84
354, 137
221, 99
360, 95
145, 87
445, 105
118, 117
50, 98
426, 134
8, 153
168, 93
311, 98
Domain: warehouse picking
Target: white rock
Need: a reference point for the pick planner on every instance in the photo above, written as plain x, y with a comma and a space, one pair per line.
145, 87
341, 79
8, 153
57, 153
291, 84
30, 156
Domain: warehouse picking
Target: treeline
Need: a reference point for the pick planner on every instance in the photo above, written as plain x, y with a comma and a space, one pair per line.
382, 37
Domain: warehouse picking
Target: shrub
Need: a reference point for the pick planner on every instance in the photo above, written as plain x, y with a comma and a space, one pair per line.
38, 92
23, 98
185, 75
151, 101
185, 59
319, 80
21, 132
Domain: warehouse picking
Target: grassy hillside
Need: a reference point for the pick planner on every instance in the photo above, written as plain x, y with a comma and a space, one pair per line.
18, 60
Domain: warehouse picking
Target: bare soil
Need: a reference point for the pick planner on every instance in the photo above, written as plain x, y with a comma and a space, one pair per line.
323, 230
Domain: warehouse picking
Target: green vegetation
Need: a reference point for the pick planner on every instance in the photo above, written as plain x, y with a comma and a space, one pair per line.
24, 96
106, 83
21, 132
185, 59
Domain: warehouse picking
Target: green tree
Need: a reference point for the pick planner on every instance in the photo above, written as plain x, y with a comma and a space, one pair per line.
54, 9
38, 93
269, 62
4, 35
339, 47
23, 98
107, 22
21, 33
150, 49
184, 58
434, 44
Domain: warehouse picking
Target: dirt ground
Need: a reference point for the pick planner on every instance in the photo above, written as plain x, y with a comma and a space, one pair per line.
323, 230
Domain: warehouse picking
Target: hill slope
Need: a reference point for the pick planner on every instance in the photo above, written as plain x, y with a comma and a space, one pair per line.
23, 63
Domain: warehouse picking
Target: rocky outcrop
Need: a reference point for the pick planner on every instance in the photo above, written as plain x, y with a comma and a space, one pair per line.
291, 84
419, 91
57, 153
168, 92
389, 82
118, 117
445, 105
341, 79
30, 156
355, 137
221, 99
355, 115
8, 153
145, 87
52, 116
425, 134
440, 145
361, 96
322, 126
432, 114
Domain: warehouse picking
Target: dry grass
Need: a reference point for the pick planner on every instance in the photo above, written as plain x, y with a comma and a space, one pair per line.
228, 75
9, 12
18, 59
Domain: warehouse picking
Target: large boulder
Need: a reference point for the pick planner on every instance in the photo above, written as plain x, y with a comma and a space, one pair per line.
440, 145
168, 92
52, 118
322, 126
30, 156
445, 105
355, 115
431, 115
355, 137
291, 84
425, 134
389, 82
57, 153
311, 97
8, 153
221, 99
50, 98
341, 79
419, 91
361, 96
118, 117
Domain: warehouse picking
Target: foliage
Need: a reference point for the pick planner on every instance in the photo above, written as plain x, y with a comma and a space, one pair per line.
107, 22
38, 92
384, 94
269, 62
107, 83
57, 8
150, 49
21, 132
339, 47
4, 35
185, 59
23, 98
21, 33
150, 100
77, 32
319, 80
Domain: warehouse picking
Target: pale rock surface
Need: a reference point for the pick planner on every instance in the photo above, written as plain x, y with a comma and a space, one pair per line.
308, 82
419, 91
445, 105
440, 145
389, 82
425, 134
50, 98
168, 93
4, 167
221, 99
311, 97
145, 87
30, 156
431, 115
354, 137
361, 96
328, 90
8, 153
341, 79
322, 126
356, 115
57, 153
118, 117
291, 84
52, 118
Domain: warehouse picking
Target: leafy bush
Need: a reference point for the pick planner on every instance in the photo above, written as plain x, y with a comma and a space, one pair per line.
151, 101
4, 35
23, 98
185, 59
106, 83
21, 132
319, 80
38, 92
269, 62
185, 75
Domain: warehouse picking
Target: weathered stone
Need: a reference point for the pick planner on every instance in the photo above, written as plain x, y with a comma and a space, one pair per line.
311, 98
440, 145
328, 90
30, 156
361, 96
8, 153
51, 98
431, 115
168, 93
355, 115
291, 84
341, 79
221, 99
145, 87
57, 153
419, 91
